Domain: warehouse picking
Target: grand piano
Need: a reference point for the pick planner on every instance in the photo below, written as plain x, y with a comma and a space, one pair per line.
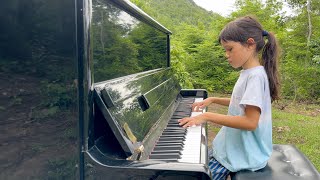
132, 100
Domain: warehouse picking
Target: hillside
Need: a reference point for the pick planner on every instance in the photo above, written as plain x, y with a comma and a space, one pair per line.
174, 13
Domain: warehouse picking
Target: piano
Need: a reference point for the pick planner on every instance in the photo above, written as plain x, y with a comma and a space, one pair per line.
137, 129
88, 92
131, 113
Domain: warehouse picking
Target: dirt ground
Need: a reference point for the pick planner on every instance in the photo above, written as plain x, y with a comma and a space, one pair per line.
35, 141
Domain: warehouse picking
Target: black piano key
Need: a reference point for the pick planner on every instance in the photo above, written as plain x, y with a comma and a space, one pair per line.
172, 135
183, 113
175, 129
179, 116
176, 135
164, 156
173, 132
176, 139
172, 129
182, 110
165, 148
166, 152
179, 139
169, 144
170, 138
173, 122
173, 125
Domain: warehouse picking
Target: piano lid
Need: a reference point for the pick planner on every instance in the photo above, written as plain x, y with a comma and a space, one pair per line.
133, 104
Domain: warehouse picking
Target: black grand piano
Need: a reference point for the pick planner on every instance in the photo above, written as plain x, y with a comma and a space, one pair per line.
135, 101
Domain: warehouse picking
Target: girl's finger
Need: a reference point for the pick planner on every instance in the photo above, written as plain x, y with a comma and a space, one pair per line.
184, 121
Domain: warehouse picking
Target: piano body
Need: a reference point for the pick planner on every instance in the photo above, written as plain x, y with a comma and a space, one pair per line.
132, 100
87, 92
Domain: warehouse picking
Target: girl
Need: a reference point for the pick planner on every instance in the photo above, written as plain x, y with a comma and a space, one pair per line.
245, 140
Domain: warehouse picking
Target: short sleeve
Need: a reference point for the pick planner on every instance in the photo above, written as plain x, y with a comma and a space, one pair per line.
254, 91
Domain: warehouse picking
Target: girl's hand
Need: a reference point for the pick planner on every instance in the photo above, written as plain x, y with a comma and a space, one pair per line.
191, 121
199, 106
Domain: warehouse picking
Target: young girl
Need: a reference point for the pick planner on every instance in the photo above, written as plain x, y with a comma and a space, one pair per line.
245, 140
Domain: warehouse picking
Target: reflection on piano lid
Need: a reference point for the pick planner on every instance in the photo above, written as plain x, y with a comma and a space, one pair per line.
153, 132
126, 132
120, 103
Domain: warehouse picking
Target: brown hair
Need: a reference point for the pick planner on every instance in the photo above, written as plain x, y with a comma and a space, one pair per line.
240, 30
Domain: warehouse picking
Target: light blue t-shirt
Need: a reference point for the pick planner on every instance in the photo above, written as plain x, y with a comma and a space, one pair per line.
238, 149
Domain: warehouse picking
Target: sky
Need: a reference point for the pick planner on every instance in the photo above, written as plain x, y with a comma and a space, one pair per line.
223, 7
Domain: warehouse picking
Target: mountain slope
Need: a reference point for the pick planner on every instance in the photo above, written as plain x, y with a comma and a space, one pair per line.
174, 13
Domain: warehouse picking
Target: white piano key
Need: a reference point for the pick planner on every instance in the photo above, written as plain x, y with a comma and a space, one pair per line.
192, 144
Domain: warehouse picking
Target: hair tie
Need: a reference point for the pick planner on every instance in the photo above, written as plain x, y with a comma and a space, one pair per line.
265, 33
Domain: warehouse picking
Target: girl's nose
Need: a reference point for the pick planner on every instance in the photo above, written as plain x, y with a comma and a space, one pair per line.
227, 55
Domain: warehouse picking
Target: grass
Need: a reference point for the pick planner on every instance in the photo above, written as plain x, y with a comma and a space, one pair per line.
303, 131
293, 123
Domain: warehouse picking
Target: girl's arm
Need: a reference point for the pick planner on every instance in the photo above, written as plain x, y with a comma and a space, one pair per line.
221, 101
198, 106
247, 122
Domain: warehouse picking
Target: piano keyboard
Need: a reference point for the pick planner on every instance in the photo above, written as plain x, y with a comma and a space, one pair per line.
177, 143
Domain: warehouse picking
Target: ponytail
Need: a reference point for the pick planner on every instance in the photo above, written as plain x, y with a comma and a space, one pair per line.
246, 27
270, 55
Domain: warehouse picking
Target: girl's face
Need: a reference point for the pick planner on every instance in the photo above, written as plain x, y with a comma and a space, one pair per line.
238, 55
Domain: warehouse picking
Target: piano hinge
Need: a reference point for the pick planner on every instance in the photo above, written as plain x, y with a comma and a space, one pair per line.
137, 153
129, 133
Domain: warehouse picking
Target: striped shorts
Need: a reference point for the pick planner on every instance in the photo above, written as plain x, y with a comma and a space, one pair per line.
218, 171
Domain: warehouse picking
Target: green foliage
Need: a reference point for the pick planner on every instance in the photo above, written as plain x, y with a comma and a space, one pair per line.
173, 13
198, 59
178, 56
300, 62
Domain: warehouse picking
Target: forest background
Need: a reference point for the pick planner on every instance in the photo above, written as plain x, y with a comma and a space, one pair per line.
198, 60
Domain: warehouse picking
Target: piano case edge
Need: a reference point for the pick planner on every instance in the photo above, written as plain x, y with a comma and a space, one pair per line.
147, 169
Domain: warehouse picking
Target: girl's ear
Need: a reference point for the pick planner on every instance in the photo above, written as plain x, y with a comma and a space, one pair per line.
251, 42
